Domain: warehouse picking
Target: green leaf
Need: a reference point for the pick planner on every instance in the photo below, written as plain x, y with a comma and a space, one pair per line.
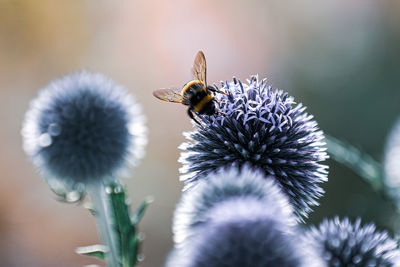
142, 208
97, 251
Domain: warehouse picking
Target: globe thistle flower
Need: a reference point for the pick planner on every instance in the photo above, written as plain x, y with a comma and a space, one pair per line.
345, 244
243, 232
265, 128
83, 128
82, 133
225, 184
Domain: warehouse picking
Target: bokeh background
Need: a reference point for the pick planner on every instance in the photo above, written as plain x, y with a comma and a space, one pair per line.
341, 58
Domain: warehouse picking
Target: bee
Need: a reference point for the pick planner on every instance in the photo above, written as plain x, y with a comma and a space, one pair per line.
195, 94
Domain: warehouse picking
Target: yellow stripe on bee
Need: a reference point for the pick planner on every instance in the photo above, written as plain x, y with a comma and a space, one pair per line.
188, 85
204, 101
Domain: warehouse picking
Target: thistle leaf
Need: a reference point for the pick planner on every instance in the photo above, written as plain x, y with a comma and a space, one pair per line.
141, 209
97, 251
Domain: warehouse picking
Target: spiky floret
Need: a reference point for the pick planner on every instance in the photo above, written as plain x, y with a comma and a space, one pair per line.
346, 244
83, 128
242, 232
225, 184
265, 128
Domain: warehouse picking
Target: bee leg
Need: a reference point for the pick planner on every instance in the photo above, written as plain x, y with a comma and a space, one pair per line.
190, 113
215, 90
220, 112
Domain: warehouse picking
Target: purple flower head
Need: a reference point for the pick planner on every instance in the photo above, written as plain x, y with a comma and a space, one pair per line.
262, 127
345, 244
221, 186
243, 232
83, 128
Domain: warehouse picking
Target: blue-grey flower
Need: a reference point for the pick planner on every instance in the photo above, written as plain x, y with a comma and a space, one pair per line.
345, 244
243, 233
226, 184
83, 128
265, 128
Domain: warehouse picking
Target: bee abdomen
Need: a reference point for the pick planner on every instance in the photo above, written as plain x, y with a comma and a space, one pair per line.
199, 107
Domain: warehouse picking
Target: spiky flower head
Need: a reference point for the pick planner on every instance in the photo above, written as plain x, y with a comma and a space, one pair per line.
265, 128
83, 128
244, 232
223, 185
346, 244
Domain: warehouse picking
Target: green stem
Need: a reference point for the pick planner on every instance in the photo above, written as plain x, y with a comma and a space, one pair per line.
366, 167
104, 220
361, 163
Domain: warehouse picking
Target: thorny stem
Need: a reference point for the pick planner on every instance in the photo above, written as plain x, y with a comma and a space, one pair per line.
105, 227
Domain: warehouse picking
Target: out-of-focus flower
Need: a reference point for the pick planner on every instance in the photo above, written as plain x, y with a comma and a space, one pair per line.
391, 162
345, 244
225, 184
83, 128
265, 128
244, 232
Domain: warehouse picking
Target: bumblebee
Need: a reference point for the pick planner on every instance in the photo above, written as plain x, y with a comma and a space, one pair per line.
195, 94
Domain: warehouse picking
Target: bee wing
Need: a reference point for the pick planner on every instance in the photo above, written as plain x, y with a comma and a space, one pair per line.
169, 95
199, 69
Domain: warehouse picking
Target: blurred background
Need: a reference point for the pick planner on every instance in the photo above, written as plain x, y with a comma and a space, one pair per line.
338, 57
